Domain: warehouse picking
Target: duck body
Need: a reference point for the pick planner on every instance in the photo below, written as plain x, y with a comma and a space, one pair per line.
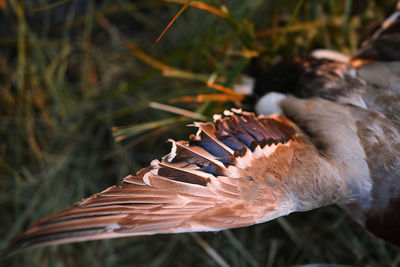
365, 143
379, 133
362, 133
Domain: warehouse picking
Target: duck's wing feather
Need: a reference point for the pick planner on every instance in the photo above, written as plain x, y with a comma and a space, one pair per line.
226, 176
383, 45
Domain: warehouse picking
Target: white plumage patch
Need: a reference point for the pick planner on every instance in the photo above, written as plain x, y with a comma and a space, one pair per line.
269, 104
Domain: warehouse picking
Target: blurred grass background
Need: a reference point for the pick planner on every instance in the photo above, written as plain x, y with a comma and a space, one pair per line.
76, 81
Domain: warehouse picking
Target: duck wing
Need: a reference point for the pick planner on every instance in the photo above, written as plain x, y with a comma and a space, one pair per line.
383, 45
240, 171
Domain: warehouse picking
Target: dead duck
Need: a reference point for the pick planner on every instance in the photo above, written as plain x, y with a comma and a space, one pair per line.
339, 145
